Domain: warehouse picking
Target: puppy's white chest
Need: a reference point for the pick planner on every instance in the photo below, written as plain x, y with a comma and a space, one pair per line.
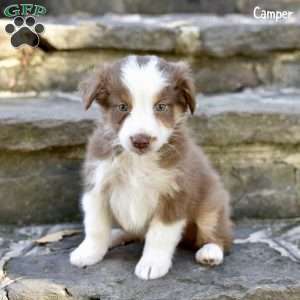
133, 207
135, 192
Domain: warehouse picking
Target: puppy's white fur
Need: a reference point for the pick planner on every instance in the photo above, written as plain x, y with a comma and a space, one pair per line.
144, 82
161, 241
120, 237
134, 198
137, 182
210, 254
97, 222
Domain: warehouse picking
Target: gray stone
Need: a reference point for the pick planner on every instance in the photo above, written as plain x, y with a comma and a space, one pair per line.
143, 7
220, 36
226, 53
250, 39
286, 70
40, 187
44, 122
61, 70
264, 264
134, 6
223, 75
257, 159
114, 32
55, 70
246, 113
268, 116
247, 6
258, 188
216, 36
42, 146
252, 138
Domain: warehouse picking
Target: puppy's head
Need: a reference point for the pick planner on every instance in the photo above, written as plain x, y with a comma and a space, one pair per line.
144, 99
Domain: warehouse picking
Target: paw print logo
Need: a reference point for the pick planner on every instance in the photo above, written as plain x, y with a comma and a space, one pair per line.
24, 31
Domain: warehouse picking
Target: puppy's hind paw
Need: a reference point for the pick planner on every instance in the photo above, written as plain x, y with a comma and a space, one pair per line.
210, 254
88, 253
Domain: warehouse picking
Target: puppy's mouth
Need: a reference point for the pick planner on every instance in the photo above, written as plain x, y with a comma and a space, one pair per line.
141, 151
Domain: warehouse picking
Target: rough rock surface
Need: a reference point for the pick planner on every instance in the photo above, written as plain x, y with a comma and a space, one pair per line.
215, 35
264, 264
46, 121
227, 53
252, 138
166, 33
247, 6
42, 144
75, 7
135, 6
36, 70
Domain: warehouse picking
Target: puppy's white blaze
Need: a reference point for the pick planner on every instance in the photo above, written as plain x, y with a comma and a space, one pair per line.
144, 82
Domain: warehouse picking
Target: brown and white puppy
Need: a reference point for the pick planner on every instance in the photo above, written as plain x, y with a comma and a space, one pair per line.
143, 171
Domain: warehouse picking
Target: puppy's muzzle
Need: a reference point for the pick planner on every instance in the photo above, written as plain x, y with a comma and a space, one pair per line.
141, 142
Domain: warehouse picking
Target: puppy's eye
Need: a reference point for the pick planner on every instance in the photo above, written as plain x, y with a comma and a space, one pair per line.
160, 107
123, 107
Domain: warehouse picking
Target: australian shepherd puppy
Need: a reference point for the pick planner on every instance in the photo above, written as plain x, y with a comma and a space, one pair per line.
144, 173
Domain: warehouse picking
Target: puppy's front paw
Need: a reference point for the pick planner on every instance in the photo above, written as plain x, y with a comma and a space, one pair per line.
152, 267
210, 254
88, 253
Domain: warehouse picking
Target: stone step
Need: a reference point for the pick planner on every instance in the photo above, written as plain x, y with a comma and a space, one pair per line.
162, 7
227, 53
264, 264
252, 137
196, 34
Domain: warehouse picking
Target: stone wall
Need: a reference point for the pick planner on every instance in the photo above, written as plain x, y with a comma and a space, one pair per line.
94, 7
251, 137
226, 54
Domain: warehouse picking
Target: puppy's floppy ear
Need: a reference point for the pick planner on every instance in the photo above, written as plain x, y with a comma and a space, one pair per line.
184, 84
95, 87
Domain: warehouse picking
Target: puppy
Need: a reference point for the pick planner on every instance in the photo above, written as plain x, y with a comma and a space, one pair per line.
143, 172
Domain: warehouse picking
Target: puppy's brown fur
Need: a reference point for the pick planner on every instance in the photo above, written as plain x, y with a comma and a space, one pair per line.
201, 198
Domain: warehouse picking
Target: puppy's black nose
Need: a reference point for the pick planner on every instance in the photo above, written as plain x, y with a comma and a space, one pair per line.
140, 141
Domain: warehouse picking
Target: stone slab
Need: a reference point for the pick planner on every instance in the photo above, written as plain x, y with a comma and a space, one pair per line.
37, 70
227, 53
75, 7
219, 36
264, 264
251, 137
45, 121
252, 116
255, 116
247, 6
